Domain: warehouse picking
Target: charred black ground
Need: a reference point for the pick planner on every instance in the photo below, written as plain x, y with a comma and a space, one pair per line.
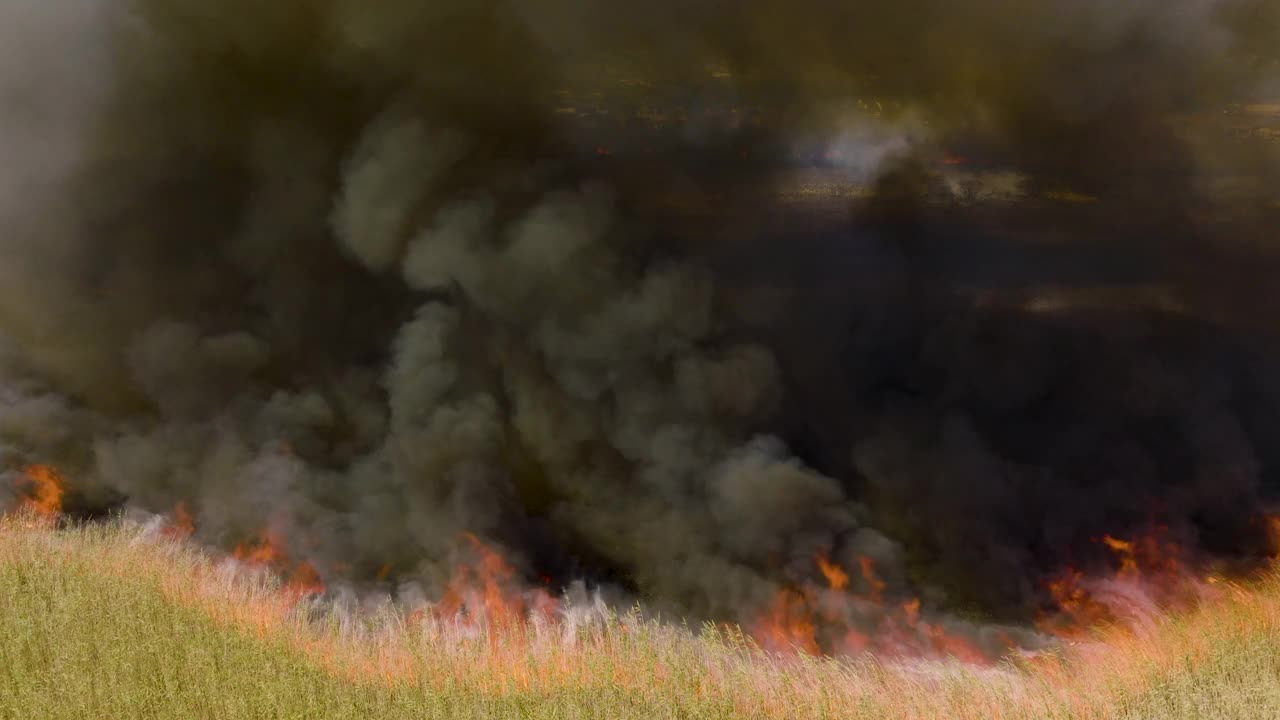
672, 299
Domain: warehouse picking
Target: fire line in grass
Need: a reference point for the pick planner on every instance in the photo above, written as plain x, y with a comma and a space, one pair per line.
851, 615
847, 613
837, 618
1150, 574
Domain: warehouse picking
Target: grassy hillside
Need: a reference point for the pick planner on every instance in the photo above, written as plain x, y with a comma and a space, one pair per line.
119, 622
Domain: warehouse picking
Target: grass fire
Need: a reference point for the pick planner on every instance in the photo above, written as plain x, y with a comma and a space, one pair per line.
535, 358
189, 632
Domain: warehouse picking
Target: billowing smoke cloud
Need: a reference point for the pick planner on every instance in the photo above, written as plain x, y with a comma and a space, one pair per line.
377, 274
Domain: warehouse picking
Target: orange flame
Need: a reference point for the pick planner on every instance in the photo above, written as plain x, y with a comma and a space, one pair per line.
868, 567
787, 625
810, 618
44, 489
304, 580
1120, 546
487, 592
1123, 550
837, 578
911, 610
1153, 568
265, 552
181, 524
1076, 610
300, 579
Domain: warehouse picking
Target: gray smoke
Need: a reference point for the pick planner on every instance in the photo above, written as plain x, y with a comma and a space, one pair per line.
377, 274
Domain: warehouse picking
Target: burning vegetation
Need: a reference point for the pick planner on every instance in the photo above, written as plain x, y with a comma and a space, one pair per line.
809, 319
246, 645
1147, 579
40, 489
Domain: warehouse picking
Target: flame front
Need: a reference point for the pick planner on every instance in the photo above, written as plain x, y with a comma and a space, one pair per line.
487, 592
837, 578
43, 489
268, 552
1150, 572
788, 625
810, 618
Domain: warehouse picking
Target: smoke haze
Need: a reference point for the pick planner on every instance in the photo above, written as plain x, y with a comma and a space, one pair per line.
376, 274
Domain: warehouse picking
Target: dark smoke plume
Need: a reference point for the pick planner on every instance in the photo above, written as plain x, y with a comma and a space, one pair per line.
376, 274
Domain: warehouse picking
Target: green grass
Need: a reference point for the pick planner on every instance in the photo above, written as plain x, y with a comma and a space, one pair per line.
109, 622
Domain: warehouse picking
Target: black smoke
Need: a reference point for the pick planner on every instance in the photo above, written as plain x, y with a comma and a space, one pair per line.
378, 274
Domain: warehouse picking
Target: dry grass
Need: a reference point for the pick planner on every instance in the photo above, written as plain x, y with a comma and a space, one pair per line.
113, 622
